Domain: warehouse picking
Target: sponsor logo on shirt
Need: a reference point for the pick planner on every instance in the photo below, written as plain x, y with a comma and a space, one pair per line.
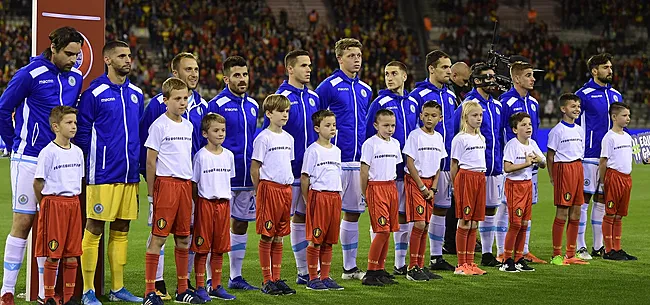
571, 140
623, 146
177, 139
279, 148
230, 109
343, 89
429, 149
216, 170
108, 99
328, 163
476, 147
386, 156
45, 81
596, 96
68, 165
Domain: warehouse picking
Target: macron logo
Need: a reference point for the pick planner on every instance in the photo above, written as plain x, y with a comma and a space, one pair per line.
45, 81
343, 89
108, 99
230, 109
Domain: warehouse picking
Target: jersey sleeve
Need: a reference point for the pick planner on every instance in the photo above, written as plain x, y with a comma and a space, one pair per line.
510, 152
43, 164
410, 147
308, 162
232, 165
85, 120
370, 119
323, 93
293, 148
155, 138
259, 148
606, 147
553, 140
17, 90
456, 148
196, 169
400, 158
367, 153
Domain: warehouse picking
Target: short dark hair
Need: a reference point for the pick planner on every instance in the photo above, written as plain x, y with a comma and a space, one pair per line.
566, 97
112, 45
518, 67
209, 118
400, 65
597, 60
292, 57
432, 104
233, 61
518, 117
57, 113
320, 115
434, 57
477, 69
383, 112
617, 107
176, 61
61, 38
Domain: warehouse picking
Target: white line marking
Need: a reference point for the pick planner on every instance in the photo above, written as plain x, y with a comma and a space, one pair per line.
68, 16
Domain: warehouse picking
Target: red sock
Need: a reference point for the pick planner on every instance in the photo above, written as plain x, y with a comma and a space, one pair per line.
384, 253
69, 279
325, 261
376, 248
414, 246
216, 264
471, 244
521, 240
558, 233
511, 240
276, 260
49, 278
181, 256
199, 268
572, 237
617, 230
608, 233
312, 261
423, 246
265, 259
461, 245
151, 265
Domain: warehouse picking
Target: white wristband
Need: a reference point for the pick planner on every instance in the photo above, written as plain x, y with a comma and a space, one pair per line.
150, 199
422, 188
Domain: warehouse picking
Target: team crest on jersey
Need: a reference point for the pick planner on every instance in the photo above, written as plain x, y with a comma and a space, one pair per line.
318, 232
567, 196
364, 93
412, 108
98, 208
519, 212
615, 98
71, 81
85, 58
268, 225
53, 245
419, 209
253, 112
312, 102
467, 210
587, 182
382, 221
532, 106
497, 110
451, 100
23, 199
161, 223
199, 241
610, 204
134, 98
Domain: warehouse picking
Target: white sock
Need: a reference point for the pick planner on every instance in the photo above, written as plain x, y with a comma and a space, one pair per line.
299, 246
502, 227
40, 261
582, 226
349, 243
208, 270
372, 235
236, 254
436, 234
14, 254
401, 239
597, 214
486, 229
530, 222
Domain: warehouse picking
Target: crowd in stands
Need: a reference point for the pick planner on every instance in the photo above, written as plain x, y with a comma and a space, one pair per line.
612, 16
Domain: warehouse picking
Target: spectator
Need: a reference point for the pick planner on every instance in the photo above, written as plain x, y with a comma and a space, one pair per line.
313, 20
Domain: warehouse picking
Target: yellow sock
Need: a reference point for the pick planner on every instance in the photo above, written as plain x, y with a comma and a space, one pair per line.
90, 247
117, 243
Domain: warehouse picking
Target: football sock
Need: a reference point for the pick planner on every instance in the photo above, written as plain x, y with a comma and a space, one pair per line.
151, 263
90, 247
199, 268
486, 229
216, 267
582, 228
597, 214
437, 234
276, 259
325, 261
501, 227
401, 239
461, 245
13, 260
265, 260
571, 237
414, 247
299, 246
519, 244
312, 261
608, 233
617, 230
116, 250
180, 256
237, 253
511, 240
526, 250
49, 278
69, 279
471, 244
376, 248
349, 243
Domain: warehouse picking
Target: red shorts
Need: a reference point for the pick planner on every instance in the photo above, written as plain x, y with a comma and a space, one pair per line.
59, 227
172, 207
617, 192
417, 208
323, 219
211, 226
383, 206
469, 190
273, 215
519, 196
568, 183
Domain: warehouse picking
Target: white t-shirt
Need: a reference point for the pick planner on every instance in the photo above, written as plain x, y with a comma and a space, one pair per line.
567, 141
62, 169
516, 153
469, 150
382, 156
426, 150
173, 142
212, 173
617, 148
275, 152
323, 165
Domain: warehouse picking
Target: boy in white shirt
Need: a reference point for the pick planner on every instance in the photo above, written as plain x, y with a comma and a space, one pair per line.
519, 156
169, 170
321, 188
57, 184
424, 149
564, 158
615, 168
272, 178
213, 168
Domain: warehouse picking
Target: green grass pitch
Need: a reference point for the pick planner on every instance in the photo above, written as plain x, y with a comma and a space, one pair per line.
599, 282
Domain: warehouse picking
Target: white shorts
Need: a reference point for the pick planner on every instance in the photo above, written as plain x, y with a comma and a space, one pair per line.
590, 168
297, 202
401, 196
23, 170
351, 181
242, 205
494, 190
442, 199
